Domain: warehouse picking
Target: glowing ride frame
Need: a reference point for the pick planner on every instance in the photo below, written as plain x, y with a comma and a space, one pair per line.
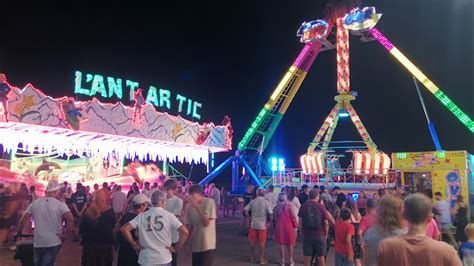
370, 162
435, 90
258, 135
262, 128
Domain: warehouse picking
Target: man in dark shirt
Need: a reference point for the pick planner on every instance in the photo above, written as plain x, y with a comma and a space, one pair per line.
79, 203
314, 225
303, 196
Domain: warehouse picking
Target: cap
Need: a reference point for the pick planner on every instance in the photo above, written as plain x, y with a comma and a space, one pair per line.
140, 199
53, 186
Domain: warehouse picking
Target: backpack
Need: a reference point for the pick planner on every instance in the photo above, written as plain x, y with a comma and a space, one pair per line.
313, 218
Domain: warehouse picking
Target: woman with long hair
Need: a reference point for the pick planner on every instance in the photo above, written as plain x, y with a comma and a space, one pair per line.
355, 220
362, 203
460, 212
8, 215
285, 223
291, 194
389, 224
96, 228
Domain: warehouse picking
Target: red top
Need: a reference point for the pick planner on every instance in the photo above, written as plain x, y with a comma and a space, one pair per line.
367, 221
432, 229
342, 229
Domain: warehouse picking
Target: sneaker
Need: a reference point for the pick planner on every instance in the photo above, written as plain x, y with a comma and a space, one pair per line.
12, 248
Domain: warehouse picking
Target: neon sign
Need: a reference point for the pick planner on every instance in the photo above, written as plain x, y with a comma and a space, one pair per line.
107, 87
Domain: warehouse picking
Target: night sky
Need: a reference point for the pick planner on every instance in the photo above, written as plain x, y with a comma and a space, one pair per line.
231, 57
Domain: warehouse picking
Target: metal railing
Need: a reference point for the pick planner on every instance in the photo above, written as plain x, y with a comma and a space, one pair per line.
296, 177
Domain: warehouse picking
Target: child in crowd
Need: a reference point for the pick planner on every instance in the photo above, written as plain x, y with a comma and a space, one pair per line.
466, 250
344, 255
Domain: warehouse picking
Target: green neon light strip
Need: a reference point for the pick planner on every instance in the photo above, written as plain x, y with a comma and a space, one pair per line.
401, 155
271, 130
463, 117
251, 131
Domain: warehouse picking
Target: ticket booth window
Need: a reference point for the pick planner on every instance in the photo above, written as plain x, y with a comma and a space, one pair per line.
419, 182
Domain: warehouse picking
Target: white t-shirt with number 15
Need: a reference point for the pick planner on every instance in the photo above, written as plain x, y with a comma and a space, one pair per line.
155, 228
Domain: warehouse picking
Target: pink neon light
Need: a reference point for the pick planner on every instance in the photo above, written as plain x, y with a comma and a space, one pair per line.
308, 164
382, 39
302, 56
367, 163
301, 62
385, 163
314, 164
357, 162
303, 164
377, 160
321, 162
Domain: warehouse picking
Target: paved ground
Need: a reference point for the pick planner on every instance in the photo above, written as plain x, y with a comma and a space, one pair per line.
232, 250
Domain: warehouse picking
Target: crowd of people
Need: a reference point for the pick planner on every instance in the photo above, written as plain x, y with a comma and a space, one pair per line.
391, 227
146, 226
151, 223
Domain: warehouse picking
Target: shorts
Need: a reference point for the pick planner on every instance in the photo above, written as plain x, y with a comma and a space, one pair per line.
314, 246
205, 258
6, 223
261, 234
444, 226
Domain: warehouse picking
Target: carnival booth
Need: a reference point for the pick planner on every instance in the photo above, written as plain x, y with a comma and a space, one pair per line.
449, 172
89, 141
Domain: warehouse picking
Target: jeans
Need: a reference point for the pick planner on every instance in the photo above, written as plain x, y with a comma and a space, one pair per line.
45, 256
341, 260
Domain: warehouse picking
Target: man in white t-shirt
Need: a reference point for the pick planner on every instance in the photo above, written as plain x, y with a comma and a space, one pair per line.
119, 201
155, 228
260, 211
201, 219
215, 194
47, 213
174, 205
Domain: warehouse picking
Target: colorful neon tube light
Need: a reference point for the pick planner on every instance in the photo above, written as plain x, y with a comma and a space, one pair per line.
435, 90
42, 139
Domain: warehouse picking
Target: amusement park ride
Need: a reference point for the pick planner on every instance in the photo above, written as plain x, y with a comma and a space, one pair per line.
368, 165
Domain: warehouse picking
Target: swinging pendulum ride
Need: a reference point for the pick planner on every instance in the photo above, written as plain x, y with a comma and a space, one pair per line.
368, 164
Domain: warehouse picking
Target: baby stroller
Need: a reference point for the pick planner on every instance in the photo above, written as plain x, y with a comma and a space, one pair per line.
24, 249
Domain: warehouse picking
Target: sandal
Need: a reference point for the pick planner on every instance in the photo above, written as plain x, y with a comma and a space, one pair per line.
263, 262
